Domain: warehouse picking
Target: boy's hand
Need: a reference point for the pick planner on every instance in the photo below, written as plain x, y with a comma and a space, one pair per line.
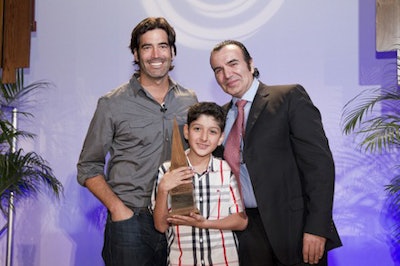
176, 177
194, 219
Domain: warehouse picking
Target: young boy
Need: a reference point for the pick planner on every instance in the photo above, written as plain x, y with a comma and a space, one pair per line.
205, 238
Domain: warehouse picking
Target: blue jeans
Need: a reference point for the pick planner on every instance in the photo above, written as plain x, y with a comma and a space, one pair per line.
134, 242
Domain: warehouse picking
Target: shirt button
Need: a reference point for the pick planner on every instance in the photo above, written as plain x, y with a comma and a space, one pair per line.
201, 240
201, 199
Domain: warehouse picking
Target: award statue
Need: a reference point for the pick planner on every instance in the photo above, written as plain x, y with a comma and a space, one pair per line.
182, 198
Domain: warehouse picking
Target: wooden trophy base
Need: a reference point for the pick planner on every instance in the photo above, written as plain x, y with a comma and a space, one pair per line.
182, 200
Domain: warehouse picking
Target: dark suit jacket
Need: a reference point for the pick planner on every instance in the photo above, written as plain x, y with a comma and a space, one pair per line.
291, 168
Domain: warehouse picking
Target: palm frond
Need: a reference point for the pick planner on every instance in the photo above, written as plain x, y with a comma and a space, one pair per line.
14, 94
380, 133
374, 117
23, 174
393, 190
26, 174
357, 108
8, 133
379, 129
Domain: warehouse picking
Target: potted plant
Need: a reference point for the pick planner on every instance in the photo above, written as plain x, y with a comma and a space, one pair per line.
373, 116
21, 174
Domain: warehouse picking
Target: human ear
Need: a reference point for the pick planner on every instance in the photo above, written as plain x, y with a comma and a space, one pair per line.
251, 66
186, 131
221, 138
135, 55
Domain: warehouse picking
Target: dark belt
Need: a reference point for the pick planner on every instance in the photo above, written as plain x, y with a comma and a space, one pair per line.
252, 211
141, 210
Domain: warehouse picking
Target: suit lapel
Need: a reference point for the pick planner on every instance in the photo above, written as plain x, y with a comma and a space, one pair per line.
259, 103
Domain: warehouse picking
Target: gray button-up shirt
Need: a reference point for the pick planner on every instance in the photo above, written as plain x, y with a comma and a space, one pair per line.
135, 132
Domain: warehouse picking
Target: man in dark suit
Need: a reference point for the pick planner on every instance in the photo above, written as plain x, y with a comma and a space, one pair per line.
287, 171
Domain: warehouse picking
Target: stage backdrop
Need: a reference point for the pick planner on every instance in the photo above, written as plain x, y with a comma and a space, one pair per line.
81, 46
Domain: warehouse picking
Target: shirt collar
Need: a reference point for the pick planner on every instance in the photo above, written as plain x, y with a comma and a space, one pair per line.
250, 93
209, 167
137, 87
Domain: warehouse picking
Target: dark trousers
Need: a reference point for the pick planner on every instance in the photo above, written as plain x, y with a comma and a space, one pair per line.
255, 248
134, 242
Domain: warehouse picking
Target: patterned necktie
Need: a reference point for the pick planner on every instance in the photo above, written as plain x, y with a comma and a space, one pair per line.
232, 144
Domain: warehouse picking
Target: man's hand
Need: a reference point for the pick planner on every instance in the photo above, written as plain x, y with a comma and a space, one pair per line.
313, 248
99, 187
121, 214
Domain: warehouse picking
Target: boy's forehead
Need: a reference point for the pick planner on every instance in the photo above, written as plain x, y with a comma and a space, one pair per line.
205, 118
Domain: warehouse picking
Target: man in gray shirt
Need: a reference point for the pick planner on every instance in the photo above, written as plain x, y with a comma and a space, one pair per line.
133, 125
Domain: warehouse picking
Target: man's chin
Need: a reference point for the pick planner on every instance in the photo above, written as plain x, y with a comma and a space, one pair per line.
157, 76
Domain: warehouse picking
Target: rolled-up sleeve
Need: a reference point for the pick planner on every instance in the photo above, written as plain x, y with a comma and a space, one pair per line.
97, 143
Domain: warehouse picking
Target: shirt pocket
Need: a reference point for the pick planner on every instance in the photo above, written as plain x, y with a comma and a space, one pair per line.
141, 132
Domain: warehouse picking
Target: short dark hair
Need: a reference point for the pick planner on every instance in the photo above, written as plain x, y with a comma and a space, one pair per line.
148, 24
207, 108
245, 52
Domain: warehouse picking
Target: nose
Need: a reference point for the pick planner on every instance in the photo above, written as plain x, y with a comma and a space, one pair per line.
155, 53
227, 73
204, 136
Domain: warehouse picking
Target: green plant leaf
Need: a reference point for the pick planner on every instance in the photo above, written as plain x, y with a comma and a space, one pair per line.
24, 174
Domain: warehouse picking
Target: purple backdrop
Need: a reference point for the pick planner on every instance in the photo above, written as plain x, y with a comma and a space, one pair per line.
82, 48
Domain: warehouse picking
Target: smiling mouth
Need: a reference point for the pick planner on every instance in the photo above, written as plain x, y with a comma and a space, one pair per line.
231, 83
156, 61
202, 146
156, 64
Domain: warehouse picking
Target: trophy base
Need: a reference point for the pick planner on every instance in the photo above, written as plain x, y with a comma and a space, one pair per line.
182, 201
184, 211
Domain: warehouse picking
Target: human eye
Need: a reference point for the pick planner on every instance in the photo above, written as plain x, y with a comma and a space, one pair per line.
217, 70
164, 46
146, 47
233, 64
214, 131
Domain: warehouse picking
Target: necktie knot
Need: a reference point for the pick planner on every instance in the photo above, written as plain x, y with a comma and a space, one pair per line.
241, 103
